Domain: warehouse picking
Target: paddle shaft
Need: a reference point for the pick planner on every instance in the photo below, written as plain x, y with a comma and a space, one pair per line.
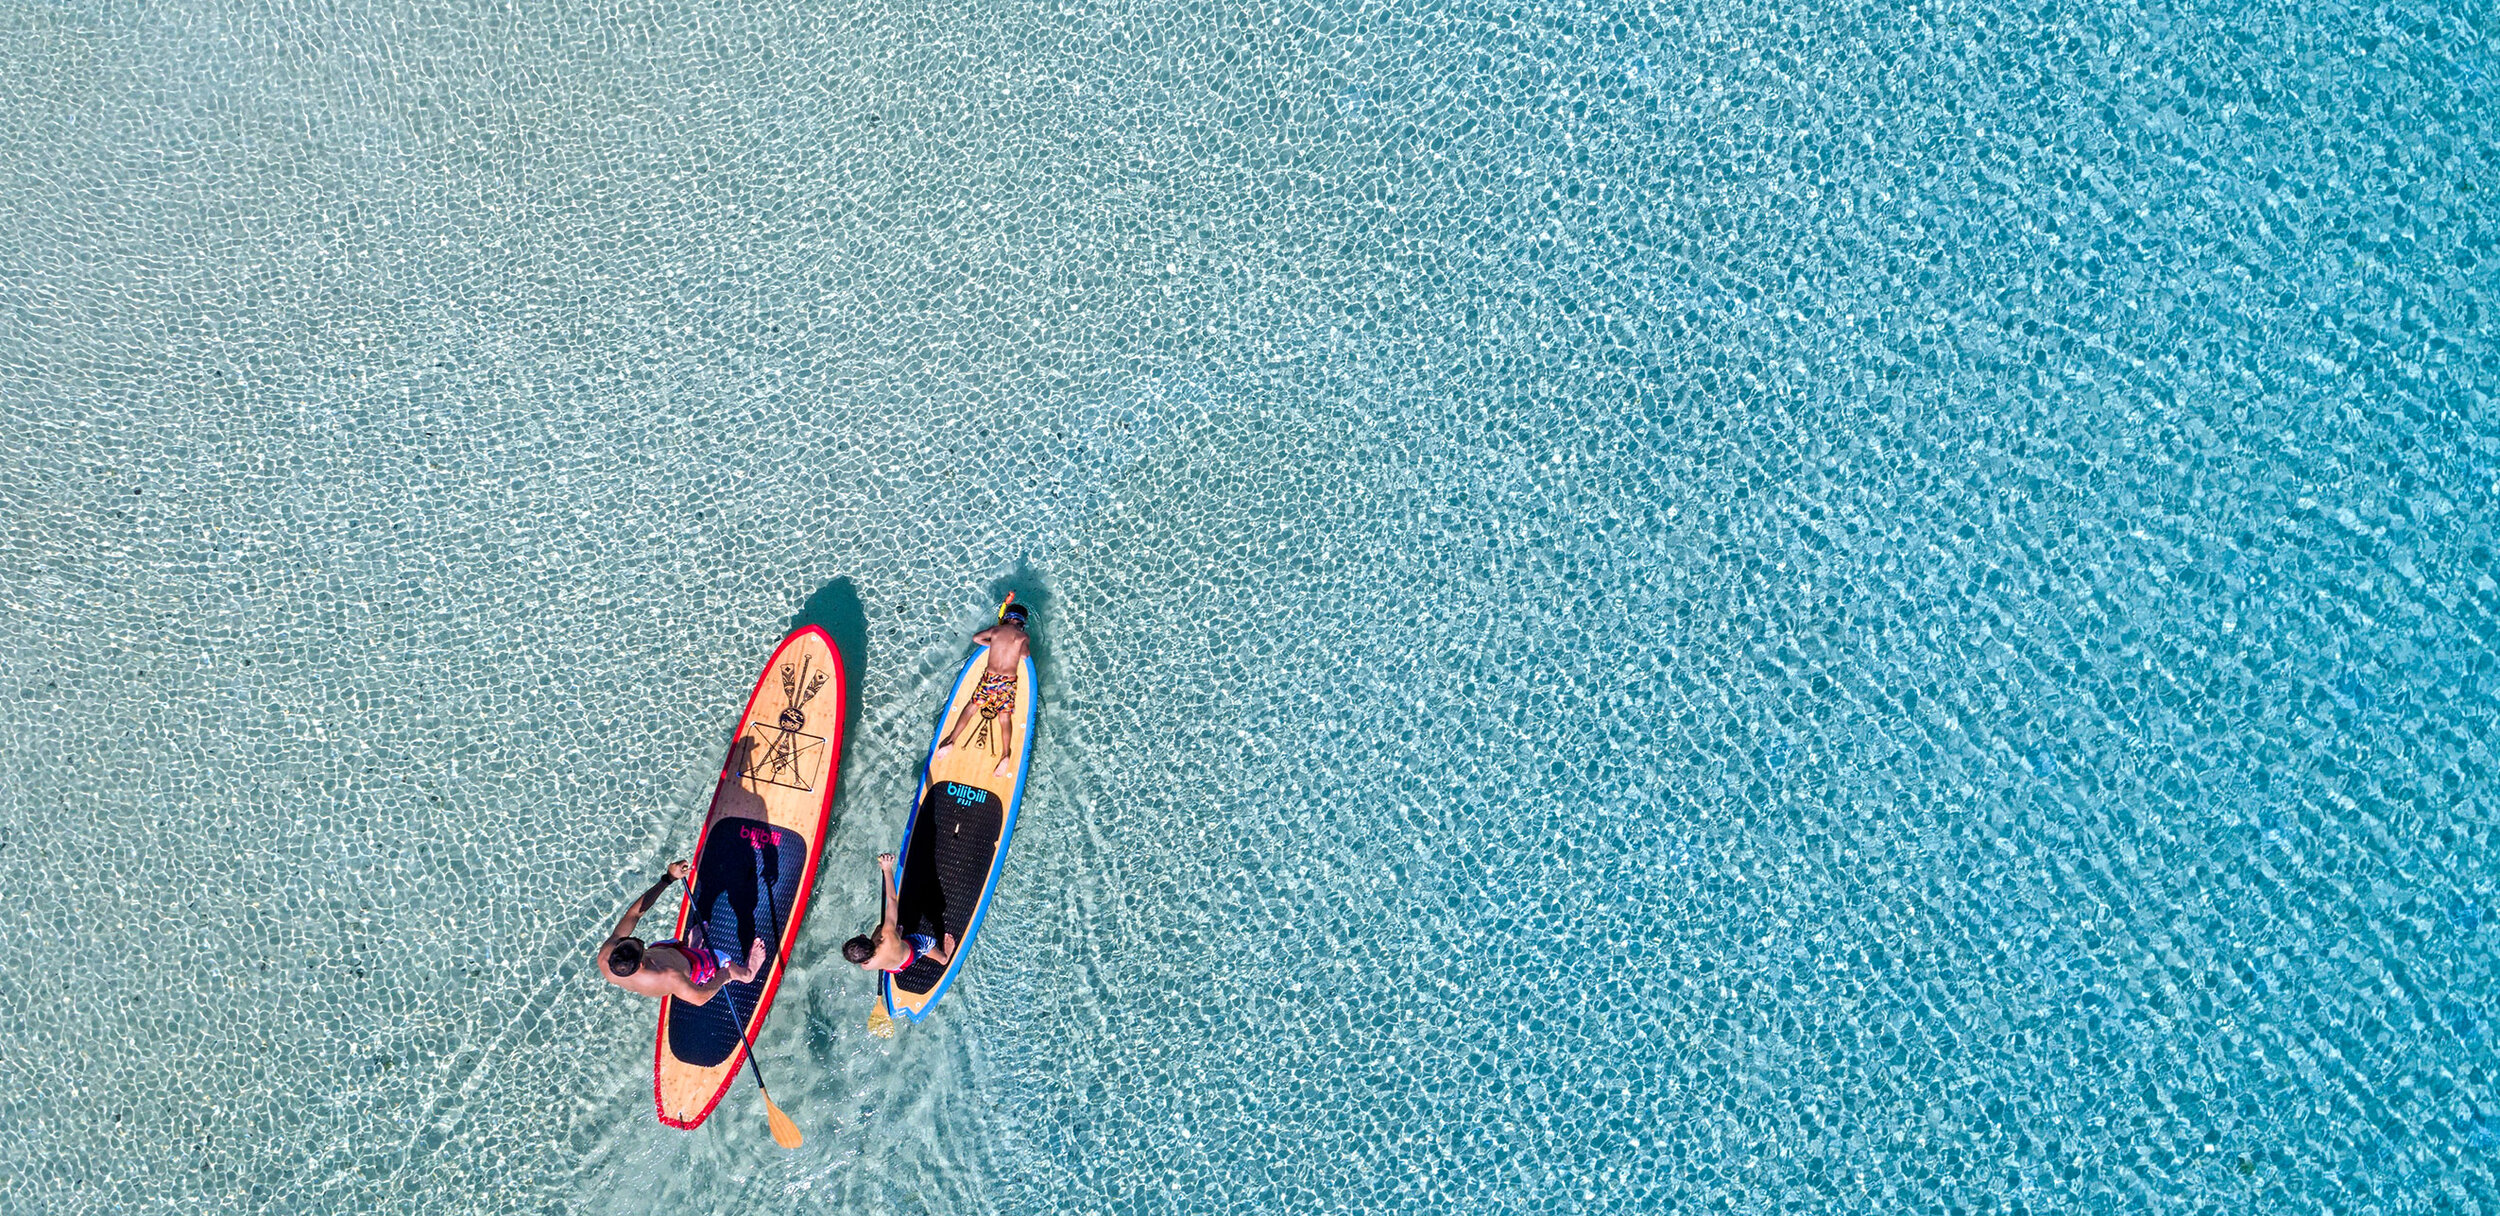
785, 1133
752, 1066
744, 1035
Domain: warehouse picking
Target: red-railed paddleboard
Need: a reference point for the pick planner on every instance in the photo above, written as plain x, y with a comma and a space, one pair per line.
754, 866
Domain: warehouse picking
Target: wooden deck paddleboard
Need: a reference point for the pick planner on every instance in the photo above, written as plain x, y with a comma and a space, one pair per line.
955, 845
753, 866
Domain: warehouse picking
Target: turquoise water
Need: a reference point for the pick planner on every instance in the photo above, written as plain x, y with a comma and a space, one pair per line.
1749, 608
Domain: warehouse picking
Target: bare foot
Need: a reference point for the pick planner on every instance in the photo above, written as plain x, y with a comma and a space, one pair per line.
1004, 763
755, 959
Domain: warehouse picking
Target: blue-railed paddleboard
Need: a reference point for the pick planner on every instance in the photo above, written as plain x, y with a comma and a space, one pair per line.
955, 844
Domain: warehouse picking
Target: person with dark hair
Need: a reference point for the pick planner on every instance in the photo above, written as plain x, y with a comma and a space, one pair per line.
891, 949
683, 968
994, 698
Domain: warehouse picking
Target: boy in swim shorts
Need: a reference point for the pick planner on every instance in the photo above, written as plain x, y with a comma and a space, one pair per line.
994, 699
890, 949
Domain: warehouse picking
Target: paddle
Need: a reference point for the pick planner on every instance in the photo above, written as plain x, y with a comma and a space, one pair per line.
785, 1133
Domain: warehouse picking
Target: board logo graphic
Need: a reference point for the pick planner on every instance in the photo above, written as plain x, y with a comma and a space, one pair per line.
784, 753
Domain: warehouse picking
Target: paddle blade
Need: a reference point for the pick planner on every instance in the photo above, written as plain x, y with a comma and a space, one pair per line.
785, 1133
879, 1024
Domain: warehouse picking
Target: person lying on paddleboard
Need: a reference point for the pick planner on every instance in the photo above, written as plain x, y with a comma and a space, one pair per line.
994, 699
891, 949
682, 968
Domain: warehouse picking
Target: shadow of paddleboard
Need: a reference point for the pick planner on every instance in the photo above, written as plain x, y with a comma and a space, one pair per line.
836, 609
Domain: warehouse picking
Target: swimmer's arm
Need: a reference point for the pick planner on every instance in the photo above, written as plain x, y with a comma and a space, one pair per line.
633, 911
730, 973
983, 638
693, 993
701, 994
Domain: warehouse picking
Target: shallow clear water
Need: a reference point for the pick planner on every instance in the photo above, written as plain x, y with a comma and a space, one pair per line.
1804, 607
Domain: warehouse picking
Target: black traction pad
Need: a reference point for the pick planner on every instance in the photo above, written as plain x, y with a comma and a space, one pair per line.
953, 843
743, 885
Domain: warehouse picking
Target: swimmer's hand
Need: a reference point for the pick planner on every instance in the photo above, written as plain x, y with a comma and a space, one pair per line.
885, 862
680, 869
